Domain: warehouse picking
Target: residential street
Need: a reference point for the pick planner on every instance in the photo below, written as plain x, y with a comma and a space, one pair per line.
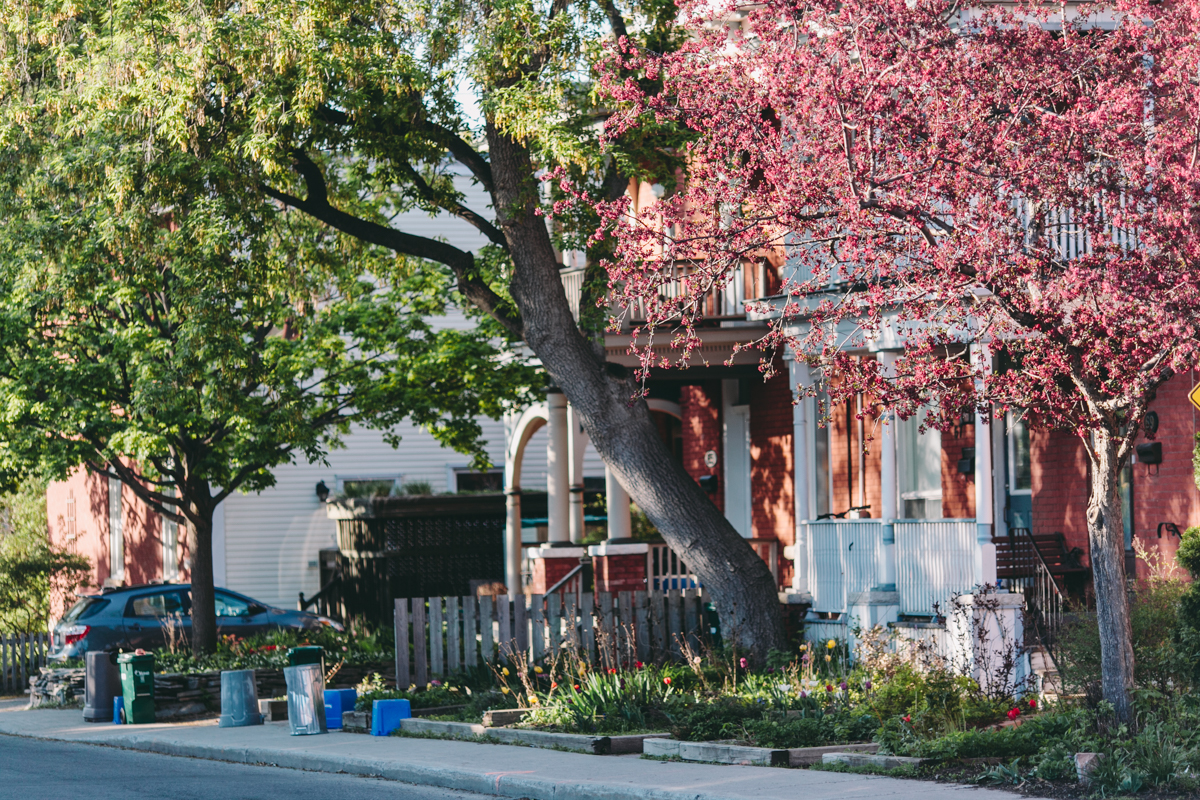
33, 769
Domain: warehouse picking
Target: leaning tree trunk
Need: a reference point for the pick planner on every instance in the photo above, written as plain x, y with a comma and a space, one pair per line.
622, 431
204, 605
1106, 539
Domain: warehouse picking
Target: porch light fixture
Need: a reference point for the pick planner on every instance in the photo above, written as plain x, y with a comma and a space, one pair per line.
322, 491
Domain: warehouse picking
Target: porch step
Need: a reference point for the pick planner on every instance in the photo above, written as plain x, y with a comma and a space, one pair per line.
1048, 681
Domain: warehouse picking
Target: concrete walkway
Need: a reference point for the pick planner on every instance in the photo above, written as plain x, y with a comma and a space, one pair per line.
517, 772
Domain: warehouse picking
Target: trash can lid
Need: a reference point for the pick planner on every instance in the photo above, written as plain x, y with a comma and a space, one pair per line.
135, 658
308, 654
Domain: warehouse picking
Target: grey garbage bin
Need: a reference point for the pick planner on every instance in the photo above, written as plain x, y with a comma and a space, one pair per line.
239, 699
305, 698
102, 682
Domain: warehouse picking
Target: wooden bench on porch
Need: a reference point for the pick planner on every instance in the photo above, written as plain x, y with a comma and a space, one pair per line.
1016, 557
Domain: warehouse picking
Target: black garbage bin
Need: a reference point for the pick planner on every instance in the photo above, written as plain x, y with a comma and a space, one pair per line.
102, 682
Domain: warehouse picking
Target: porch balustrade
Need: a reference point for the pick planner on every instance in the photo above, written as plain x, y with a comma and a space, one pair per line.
935, 560
844, 557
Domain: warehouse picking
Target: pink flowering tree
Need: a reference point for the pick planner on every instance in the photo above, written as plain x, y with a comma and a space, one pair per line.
1011, 192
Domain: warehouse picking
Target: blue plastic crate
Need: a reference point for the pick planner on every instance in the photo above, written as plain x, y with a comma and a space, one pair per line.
337, 701
386, 715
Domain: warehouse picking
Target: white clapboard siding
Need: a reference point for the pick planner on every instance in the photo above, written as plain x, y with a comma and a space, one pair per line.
272, 538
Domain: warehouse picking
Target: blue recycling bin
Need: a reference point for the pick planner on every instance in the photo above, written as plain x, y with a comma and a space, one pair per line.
386, 715
337, 701
118, 709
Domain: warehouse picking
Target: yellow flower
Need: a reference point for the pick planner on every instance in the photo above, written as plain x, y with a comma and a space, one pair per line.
504, 690
803, 647
582, 670
505, 672
538, 670
451, 688
412, 686
829, 658
533, 699
428, 686
831, 644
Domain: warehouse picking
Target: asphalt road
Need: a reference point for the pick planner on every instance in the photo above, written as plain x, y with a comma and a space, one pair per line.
33, 769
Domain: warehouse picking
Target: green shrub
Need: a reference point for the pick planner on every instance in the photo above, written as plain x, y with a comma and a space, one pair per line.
1188, 554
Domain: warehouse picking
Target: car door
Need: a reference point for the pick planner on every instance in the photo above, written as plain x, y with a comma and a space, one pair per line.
239, 616
159, 619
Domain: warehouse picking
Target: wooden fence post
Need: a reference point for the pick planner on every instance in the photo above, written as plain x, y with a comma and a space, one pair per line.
641, 628
452, 634
470, 648
403, 676
555, 620
505, 645
420, 654
436, 664
586, 611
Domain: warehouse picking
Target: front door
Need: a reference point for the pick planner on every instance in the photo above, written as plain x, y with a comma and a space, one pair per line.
737, 459
1018, 508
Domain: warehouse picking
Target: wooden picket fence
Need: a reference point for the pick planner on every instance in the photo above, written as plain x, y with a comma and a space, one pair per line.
22, 655
439, 636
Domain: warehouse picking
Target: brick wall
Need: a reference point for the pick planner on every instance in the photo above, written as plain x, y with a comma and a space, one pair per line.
620, 573
1167, 492
772, 495
77, 516
958, 490
700, 410
844, 450
1059, 472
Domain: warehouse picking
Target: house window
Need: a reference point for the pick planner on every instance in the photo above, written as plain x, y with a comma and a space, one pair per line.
1020, 464
368, 486
170, 542
116, 532
920, 472
467, 480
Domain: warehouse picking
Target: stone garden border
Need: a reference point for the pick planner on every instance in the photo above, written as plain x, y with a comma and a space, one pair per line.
722, 753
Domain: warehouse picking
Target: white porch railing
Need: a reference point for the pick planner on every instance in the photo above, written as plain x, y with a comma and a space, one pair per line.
665, 570
843, 559
935, 559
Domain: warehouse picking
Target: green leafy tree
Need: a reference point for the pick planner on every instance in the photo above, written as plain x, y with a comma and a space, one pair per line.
350, 112
33, 574
165, 324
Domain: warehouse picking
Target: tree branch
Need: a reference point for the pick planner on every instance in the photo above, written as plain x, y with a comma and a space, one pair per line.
460, 262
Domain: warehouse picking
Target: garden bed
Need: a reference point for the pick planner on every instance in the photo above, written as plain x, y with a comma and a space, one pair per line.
597, 745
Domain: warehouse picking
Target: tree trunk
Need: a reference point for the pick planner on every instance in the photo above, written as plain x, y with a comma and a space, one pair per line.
622, 431
204, 607
1106, 538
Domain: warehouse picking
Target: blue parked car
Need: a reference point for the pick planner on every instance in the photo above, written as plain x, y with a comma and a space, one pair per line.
144, 616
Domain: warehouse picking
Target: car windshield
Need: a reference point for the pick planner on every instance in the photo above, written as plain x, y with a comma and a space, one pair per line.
86, 607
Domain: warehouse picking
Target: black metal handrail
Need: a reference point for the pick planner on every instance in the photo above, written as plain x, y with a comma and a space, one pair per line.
1046, 601
320, 595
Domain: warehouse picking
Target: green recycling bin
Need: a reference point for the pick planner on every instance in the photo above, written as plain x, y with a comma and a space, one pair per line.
308, 654
137, 684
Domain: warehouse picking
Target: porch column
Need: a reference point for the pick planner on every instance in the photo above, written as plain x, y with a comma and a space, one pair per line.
889, 501
512, 541
577, 440
557, 469
617, 501
802, 465
985, 566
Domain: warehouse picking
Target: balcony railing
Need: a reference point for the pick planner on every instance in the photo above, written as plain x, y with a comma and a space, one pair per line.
719, 304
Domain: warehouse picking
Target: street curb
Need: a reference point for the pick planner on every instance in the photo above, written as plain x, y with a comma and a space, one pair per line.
503, 784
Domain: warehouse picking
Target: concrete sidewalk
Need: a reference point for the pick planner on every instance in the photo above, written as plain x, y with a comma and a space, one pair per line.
507, 771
